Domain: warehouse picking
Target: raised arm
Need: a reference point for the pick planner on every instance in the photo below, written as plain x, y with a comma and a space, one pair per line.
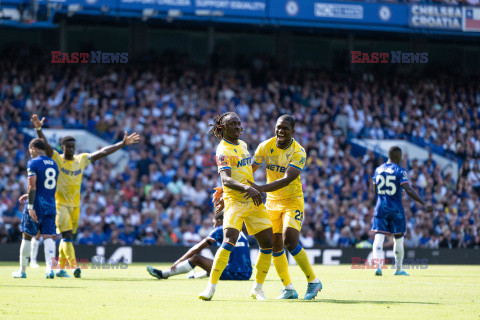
414, 195
108, 150
290, 174
38, 124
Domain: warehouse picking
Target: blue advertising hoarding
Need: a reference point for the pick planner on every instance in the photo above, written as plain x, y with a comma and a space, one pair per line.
435, 17
86, 4
347, 15
160, 5
239, 8
338, 11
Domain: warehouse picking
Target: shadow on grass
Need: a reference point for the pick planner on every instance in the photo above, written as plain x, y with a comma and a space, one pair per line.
119, 279
449, 276
319, 300
371, 301
32, 286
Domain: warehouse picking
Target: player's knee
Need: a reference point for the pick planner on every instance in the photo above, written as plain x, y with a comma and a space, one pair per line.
67, 235
266, 244
277, 246
290, 242
194, 259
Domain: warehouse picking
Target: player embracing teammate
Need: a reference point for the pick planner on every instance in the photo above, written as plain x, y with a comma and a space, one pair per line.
284, 160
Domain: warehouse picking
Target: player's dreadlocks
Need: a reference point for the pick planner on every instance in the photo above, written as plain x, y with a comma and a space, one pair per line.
216, 130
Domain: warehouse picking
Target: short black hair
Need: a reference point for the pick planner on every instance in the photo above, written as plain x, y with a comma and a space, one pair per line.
67, 139
395, 153
290, 119
218, 216
37, 143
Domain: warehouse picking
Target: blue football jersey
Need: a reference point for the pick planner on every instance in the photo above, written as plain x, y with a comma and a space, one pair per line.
46, 171
388, 179
240, 257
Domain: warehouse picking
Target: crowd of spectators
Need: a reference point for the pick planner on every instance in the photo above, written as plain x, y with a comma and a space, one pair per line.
163, 196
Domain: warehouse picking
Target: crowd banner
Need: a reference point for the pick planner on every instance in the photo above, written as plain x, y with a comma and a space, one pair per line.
435, 17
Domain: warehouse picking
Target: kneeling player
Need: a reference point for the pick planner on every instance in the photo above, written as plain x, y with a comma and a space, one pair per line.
389, 215
239, 266
39, 214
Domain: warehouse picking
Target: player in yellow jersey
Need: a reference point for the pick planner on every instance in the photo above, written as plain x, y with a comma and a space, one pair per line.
67, 197
284, 160
235, 168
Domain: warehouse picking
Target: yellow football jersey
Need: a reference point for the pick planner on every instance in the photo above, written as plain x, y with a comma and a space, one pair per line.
276, 161
70, 178
238, 159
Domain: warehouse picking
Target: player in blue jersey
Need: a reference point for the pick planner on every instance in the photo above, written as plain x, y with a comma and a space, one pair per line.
239, 266
389, 216
39, 214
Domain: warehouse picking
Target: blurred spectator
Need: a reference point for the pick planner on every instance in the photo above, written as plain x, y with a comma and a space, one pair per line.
162, 196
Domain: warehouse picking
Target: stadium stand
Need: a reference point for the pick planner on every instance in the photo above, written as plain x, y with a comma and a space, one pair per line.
163, 197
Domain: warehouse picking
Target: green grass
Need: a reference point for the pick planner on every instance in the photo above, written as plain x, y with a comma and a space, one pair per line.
446, 292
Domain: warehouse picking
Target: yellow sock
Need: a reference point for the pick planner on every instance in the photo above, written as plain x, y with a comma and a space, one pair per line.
302, 260
281, 265
263, 264
62, 257
220, 261
70, 253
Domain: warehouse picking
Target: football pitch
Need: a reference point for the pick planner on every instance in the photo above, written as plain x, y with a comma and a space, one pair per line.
439, 292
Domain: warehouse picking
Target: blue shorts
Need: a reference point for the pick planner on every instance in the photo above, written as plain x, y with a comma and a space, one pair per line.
228, 275
46, 224
393, 223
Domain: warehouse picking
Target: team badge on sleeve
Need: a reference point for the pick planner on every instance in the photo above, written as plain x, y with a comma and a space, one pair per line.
222, 160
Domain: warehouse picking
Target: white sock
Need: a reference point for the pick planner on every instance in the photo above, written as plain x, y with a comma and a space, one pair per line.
49, 247
200, 274
316, 280
378, 246
183, 267
399, 251
289, 287
35, 243
257, 286
24, 254
211, 286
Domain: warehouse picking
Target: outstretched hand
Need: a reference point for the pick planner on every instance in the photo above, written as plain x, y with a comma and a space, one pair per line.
36, 122
130, 139
217, 196
219, 206
254, 194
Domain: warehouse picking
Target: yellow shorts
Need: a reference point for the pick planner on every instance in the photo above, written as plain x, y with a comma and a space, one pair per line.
255, 217
286, 213
67, 218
